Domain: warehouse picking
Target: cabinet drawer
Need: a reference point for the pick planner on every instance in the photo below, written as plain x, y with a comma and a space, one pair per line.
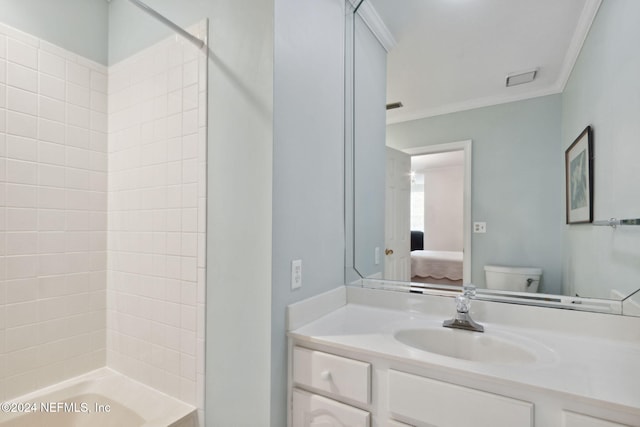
447, 405
311, 410
571, 419
335, 375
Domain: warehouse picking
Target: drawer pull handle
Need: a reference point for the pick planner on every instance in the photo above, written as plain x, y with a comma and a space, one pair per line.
325, 375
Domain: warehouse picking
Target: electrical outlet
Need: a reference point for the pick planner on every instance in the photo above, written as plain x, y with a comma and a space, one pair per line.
296, 274
479, 227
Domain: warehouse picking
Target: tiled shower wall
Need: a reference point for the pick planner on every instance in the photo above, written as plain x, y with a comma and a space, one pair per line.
156, 238
53, 221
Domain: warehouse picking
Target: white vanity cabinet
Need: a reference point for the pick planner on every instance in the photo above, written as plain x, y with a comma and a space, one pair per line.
312, 410
443, 404
327, 377
572, 419
330, 389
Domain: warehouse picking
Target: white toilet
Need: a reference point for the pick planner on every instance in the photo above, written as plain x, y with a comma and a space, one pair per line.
517, 279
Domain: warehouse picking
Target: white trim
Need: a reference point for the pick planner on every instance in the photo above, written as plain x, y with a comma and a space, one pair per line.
377, 26
469, 105
464, 146
587, 17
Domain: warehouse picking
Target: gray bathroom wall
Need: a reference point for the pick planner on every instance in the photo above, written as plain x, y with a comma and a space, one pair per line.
517, 180
76, 25
239, 227
603, 92
308, 165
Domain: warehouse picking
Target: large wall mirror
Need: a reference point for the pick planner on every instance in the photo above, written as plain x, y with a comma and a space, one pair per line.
462, 177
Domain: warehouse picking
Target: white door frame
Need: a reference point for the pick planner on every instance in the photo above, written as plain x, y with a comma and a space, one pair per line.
464, 146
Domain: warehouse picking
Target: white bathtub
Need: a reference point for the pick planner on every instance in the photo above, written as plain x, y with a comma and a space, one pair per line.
101, 398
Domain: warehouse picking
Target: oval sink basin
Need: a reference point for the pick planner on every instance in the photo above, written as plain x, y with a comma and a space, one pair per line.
474, 346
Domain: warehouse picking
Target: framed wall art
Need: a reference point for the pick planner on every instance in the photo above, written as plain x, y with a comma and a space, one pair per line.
579, 179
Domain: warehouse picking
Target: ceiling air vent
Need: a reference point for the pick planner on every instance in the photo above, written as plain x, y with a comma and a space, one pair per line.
515, 79
394, 105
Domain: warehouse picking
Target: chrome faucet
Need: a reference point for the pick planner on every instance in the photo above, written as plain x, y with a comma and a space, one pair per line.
463, 320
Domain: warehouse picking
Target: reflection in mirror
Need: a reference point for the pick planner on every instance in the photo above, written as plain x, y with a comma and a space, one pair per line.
446, 62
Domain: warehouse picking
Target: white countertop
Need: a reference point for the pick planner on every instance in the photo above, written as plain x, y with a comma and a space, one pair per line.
586, 366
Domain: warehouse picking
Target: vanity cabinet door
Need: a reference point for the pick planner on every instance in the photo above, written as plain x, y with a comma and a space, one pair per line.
447, 405
572, 419
311, 410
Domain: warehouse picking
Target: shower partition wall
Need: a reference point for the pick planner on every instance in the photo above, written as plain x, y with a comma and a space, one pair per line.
156, 215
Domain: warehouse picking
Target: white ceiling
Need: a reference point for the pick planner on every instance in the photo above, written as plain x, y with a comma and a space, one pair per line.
454, 55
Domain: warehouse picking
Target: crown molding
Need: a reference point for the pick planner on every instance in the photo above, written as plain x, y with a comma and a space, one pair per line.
377, 26
577, 41
470, 105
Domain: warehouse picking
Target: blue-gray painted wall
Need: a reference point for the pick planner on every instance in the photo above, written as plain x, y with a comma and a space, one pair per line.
79, 26
517, 180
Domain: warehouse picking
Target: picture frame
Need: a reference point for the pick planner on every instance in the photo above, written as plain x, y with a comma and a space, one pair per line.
579, 179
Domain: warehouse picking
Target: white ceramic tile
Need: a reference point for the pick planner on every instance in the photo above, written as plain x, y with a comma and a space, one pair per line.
51, 242
3, 71
78, 116
190, 122
77, 137
78, 95
52, 87
22, 290
22, 101
22, 53
99, 81
190, 98
50, 220
3, 45
190, 73
22, 77
18, 267
99, 101
21, 196
3, 97
22, 219
52, 64
51, 175
77, 157
21, 243
51, 131
22, 125
98, 121
51, 153
78, 74
77, 179
190, 146
98, 141
21, 148
20, 172
52, 109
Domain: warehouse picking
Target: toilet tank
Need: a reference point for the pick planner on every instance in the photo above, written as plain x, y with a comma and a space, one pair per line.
517, 279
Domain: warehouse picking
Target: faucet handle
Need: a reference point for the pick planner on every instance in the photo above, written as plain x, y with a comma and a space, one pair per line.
463, 304
469, 290
463, 301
